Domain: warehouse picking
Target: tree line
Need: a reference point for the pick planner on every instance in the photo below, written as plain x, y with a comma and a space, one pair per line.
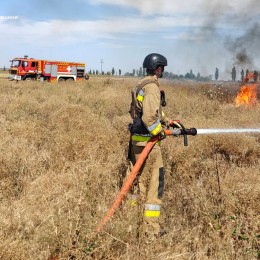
141, 72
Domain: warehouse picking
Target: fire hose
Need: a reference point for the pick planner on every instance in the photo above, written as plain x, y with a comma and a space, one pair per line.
128, 183
149, 146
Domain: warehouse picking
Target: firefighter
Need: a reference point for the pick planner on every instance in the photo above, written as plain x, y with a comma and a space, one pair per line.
148, 121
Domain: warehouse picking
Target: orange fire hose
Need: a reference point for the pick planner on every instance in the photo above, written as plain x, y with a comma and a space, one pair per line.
128, 184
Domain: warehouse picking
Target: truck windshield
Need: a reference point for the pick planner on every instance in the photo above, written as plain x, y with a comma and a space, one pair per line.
15, 63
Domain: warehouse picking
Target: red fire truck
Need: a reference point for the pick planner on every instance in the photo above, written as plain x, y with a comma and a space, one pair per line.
29, 68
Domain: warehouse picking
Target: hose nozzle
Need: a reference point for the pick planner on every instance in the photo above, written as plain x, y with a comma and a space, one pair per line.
182, 131
189, 131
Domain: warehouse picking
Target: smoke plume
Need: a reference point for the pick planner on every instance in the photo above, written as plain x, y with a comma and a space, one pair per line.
245, 47
241, 46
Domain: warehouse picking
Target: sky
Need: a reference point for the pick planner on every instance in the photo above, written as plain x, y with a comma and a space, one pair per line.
197, 35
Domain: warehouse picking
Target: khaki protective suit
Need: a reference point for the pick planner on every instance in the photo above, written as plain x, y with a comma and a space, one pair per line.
150, 180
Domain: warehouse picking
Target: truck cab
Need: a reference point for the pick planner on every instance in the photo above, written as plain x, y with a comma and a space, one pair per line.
23, 69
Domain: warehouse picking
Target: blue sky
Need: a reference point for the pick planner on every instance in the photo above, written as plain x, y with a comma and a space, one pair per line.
193, 34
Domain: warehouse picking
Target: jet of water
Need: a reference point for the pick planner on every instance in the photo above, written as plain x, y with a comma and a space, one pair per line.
227, 131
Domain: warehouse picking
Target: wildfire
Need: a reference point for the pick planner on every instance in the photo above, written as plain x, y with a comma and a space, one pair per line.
247, 95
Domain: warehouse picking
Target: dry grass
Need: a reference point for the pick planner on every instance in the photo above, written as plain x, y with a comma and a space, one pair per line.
4, 74
63, 156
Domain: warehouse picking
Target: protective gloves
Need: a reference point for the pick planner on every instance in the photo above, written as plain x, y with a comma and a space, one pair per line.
162, 135
175, 124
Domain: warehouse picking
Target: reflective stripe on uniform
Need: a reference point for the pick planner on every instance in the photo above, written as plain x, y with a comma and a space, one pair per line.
132, 199
155, 128
152, 214
133, 203
140, 138
140, 96
152, 210
152, 207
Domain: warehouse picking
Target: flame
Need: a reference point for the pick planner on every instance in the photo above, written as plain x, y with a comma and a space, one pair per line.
247, 95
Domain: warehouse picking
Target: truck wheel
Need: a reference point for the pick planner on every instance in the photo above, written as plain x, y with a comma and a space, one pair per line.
28, 79
61, 79
70, 79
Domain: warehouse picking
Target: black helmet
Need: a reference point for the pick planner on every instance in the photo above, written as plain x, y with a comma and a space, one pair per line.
154, 60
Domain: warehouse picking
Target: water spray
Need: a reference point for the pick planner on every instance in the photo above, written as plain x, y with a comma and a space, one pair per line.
194, 131
227, 131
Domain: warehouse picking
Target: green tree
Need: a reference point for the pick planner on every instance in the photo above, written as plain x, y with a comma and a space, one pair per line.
140, 72
189, 75
242, 75
192, 76
113, 71
216, 74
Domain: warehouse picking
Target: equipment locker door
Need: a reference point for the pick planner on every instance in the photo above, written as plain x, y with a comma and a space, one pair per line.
47, 69
54, 70
74, 70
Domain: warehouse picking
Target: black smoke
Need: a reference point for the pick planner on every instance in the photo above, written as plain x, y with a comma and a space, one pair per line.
245, 47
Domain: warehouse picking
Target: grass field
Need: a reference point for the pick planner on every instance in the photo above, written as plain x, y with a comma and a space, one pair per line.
63, 159
3, 74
